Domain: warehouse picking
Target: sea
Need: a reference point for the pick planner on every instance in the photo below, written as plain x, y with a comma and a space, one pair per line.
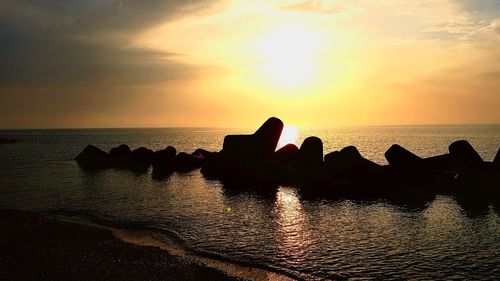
307, 238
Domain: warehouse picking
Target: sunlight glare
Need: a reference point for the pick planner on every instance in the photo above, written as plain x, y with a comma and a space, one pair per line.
289, 55
290, 134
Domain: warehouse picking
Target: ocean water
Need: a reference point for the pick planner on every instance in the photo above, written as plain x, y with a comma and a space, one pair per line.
307, 238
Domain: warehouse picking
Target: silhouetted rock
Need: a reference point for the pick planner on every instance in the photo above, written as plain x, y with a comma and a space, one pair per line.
251, 161
399, 155
163, 163
187, 162
120, 156
141, 159
268, 136
122, 150
337, 165
93, 158
283, 166
464, 156
212, 167
171, 150
479, 187
287, 153
260, 145
265, 172
405, 168
204, 154
345, 173
348, 161
242, 153
496, 161
310, 153
5, 140
237, 147
442, 162
209, 161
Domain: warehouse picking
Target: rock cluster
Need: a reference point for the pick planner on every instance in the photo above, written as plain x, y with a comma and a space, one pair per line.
253, 159
164, 162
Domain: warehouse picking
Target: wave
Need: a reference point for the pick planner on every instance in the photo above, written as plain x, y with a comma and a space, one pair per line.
140, 233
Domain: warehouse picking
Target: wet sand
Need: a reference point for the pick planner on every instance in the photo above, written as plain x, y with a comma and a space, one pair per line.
35, 246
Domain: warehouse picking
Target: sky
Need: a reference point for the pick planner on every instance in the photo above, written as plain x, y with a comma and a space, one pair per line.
177, 63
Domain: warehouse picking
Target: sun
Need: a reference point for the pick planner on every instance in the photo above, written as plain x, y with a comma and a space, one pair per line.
289, 55
290, 134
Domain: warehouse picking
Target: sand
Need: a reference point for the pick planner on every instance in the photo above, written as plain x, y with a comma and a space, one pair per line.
35, 246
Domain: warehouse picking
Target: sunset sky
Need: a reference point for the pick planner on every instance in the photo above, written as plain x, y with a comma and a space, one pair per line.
110, 63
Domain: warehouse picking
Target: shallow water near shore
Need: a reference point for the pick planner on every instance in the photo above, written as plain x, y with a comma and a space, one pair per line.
307, 238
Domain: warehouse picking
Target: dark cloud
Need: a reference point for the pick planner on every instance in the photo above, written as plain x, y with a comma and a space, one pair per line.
68, 62
488, 9
50, 42
135, 14
110, 15
44, 58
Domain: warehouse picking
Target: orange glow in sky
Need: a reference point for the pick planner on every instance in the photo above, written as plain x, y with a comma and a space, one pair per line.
235, 63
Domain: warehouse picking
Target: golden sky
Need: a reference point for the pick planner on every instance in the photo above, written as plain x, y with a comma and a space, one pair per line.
235, 63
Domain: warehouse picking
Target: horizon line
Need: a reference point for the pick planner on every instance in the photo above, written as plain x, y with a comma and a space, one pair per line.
245, 127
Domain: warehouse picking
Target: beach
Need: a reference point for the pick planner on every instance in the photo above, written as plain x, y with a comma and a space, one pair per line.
249, 140
35, 246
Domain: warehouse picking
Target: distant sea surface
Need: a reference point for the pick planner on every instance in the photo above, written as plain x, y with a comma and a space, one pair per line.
307, 238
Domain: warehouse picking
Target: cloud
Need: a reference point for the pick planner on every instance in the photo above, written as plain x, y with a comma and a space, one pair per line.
111, 15
487, 9
31, 58
460, 20
495, 26
71, 62
54, 42
85, 63
314, 6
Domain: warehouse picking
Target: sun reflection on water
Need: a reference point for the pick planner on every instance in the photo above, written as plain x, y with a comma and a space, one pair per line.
293, 227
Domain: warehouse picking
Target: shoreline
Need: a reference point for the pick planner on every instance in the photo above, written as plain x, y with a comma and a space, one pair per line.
23, 227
